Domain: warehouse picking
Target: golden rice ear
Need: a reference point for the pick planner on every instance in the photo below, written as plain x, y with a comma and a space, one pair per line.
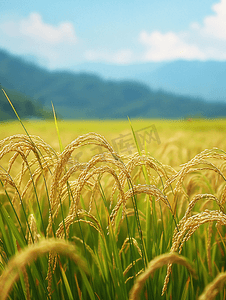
213, 288
17, 264
59, 178
156, 263
86, 139
186, 230
194, 200
223, 198
135, 161
193, 165
32, 234
31, 159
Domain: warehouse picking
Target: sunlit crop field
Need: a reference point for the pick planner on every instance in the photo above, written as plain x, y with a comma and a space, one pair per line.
180, 140
104, 210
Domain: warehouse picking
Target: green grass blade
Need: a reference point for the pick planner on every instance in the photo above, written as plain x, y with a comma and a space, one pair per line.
88, 286
57, 128
18, 117
12, 227
66, 284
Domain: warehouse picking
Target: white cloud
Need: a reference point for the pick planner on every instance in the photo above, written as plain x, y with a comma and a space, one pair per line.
33, 36
123, 56
33, 27
168, 46
119, 57
215, 25
200, 41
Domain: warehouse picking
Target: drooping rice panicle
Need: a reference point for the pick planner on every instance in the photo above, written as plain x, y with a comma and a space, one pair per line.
156, 263
29, 254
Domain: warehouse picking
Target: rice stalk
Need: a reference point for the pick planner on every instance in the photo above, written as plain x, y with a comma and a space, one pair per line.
156, 263
29, 254
213, 288
189, 227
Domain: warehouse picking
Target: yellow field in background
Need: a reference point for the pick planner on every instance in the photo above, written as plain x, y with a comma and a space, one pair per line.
171, 142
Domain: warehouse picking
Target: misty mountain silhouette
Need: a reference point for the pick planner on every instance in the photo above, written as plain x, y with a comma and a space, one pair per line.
83, 95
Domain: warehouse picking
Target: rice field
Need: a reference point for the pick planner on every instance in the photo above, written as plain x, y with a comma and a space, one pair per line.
110, 210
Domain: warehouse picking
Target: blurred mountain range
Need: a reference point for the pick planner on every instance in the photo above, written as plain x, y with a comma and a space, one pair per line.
102, 91
26, 107
205, 79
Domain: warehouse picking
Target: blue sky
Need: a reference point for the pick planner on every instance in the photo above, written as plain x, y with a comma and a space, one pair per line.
62, 34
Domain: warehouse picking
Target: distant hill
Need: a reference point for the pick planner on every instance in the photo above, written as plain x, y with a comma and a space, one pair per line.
83, 95
116, 71
25, 106
193, 78
205, 79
